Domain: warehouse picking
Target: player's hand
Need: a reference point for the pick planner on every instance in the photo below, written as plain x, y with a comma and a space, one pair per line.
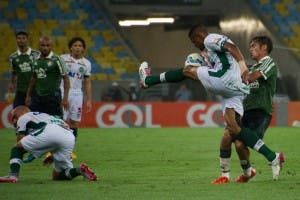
11, 87
29, 159
245, 76
88, 106
27, 100
65, 104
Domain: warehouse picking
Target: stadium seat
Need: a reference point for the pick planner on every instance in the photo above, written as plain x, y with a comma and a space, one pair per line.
62, 20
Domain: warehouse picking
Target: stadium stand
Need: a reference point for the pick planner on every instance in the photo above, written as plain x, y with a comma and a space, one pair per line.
283, 17
61, 20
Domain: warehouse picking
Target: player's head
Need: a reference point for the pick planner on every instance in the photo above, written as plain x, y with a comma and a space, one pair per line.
45, 45
263, 40
76, 46
16, 113
197, 35
260, 46
22, 39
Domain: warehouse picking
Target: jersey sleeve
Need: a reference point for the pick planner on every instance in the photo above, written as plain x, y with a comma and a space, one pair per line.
62, 66
215, 42
22, 125
268, 68
89, 69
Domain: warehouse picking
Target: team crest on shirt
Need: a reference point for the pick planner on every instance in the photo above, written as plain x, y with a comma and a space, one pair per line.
49, 63
81, 70
217, 40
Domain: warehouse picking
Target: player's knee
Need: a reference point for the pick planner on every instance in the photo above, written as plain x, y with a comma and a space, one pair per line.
234, 129
190, 72
239, 145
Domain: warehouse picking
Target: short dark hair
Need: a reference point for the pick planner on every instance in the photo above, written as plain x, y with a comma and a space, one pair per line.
196, 29
75, 39
263, 40
21, 32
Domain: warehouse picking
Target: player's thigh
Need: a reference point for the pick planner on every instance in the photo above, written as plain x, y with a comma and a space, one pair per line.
257, 120
231, 121
37, 144
191, 72
75, 111
62, 155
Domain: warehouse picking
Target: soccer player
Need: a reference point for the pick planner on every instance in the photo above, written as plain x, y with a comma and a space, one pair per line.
79, 71
258, 104
42, 133
48, 70
21, 68
222, 76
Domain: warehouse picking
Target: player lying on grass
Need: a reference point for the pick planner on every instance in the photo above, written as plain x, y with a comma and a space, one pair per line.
44, 133
219, 68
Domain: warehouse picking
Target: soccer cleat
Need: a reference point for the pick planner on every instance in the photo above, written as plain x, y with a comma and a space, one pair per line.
244, 179
48, 160
144, 71
276, 165
73, 156
220, 180
87, 172
8, 179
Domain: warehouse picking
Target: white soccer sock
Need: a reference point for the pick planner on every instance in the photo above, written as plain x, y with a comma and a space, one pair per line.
162, 77
225, 167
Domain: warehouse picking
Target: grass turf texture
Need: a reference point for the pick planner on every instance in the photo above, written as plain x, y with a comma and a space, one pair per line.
165, 163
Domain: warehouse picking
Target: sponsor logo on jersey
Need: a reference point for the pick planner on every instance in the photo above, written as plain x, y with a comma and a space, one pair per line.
254, 84
49, 63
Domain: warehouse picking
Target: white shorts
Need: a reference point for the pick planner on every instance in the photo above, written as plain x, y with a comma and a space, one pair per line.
75, 104
231, 98
55, 139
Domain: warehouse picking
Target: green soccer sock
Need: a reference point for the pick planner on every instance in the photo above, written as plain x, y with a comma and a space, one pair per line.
69, 174
172, 76
251, 139
15, 162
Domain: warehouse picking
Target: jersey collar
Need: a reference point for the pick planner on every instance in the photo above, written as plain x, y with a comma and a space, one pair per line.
261, 60
49, 55
28, 52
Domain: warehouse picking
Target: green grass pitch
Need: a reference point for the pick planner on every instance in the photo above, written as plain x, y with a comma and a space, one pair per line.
164, 163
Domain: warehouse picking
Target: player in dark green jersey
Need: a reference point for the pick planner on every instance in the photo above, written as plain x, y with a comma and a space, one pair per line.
21, 68
48, 70
258, 105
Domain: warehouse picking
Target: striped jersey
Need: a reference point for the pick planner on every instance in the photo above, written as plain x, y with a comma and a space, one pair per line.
34, 123
21, 64
223, 64
262, 90
77, 69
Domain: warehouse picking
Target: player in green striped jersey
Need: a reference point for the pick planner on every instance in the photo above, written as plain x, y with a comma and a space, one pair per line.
258, 105
48, 70
21, 68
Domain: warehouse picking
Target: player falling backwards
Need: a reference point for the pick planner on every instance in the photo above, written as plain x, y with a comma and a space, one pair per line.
219, 68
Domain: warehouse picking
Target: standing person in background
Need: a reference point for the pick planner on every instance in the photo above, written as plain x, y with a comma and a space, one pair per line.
183, 93
48, 70
79, 72
113, 93
21, 68
133, 94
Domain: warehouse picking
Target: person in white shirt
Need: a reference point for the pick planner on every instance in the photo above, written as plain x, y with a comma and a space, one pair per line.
79, 72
